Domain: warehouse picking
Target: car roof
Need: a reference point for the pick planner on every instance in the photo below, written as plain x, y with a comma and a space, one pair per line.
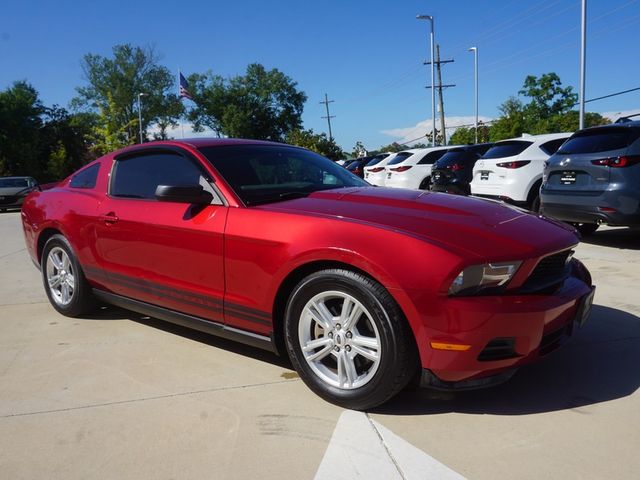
17, 178
199, 143
537, 138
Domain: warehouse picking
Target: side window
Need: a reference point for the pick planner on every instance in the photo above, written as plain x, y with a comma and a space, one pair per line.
85, 178
552, 146
432, 157
139, 176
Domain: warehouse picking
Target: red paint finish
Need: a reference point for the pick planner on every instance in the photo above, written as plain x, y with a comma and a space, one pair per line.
226, 263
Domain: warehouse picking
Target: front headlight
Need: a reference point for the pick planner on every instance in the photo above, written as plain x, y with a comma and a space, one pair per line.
486, 279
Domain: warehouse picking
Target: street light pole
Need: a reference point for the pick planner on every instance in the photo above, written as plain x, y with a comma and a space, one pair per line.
583, 53
433, 78
475, 70
140, 95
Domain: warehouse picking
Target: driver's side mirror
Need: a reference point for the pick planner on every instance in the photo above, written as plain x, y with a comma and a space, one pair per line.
193, 194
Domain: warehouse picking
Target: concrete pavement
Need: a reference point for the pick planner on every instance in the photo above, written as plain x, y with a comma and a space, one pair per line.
123, 396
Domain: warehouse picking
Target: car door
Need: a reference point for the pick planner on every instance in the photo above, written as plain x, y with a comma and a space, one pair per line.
164, 253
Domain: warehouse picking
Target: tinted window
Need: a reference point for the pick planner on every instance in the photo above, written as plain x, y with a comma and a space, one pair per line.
509, 148
399, 158
551, 147
264, 173
600, 140
13, 182
86, 178
432, 157
456, 156
139, 176
377, 159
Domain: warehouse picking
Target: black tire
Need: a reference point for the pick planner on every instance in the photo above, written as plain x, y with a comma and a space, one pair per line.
586, 229
425, 184
534, 206
397, 355
81, 299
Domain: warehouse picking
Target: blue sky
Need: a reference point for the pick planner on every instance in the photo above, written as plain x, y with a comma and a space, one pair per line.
367, 55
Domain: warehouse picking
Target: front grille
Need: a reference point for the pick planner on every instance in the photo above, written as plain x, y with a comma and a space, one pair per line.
8, 199
549, 273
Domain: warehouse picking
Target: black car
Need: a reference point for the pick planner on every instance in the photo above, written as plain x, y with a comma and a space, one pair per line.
13, 191
357, 166
453, 172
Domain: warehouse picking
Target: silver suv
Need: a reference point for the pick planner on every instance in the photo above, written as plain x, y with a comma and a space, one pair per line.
594, 178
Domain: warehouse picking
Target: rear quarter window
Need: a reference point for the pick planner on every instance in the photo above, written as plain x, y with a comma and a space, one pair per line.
509, 148
552, 146
432, 157
600, 140
85, 178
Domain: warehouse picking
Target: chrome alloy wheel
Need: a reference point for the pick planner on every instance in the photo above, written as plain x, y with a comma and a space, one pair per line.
60, 276
339, 340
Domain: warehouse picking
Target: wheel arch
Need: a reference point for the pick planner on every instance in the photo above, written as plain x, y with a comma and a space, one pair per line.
293, 278
45, 235
534, 190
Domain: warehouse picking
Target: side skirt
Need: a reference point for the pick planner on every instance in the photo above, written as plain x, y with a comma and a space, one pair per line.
195, 323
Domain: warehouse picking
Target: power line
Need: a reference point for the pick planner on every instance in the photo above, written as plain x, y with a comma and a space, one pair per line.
492, 121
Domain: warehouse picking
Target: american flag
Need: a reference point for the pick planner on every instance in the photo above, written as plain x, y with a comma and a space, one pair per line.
184, 88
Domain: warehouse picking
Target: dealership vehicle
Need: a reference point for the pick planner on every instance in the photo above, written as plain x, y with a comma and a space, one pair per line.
414, 171
282, 249
374, 171
511, 170
453, 172
13, 191
357, 166
594, 178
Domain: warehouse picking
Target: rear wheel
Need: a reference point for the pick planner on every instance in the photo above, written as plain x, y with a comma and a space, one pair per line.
348, 339
534, 206
586, 228
64, 282
425, 184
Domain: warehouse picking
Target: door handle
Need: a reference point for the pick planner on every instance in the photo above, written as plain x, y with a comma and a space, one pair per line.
109, 218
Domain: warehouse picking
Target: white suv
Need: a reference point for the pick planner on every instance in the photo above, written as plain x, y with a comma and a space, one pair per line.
511, 170
374, 171
412, 168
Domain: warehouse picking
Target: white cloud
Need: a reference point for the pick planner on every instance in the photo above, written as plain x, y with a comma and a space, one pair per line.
406, 134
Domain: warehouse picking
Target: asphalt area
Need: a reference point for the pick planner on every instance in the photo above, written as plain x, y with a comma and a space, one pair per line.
122, 396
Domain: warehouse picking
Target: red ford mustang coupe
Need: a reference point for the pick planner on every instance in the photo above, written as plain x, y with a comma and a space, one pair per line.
364, 288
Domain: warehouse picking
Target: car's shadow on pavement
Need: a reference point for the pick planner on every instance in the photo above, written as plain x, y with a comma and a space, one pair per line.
600, 363
625, 238
109, 312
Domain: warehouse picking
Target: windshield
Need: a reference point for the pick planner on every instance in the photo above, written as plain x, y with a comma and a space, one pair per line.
13, 182
264, 174
600, 140
509, 148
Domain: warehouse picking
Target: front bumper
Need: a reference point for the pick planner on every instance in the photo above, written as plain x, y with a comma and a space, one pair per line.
504, 332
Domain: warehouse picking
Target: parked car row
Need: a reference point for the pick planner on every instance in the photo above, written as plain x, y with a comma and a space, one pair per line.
13, 191
588, 178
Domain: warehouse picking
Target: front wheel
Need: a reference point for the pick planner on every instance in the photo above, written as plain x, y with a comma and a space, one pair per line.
64, 282
348, 339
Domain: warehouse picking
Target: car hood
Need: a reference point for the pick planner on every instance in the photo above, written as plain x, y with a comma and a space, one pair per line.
484, 228
14, 190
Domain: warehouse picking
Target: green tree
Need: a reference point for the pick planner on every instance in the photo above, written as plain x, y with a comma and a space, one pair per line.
113, 86
392, 147
262, 104
20, 124
359, 150
547, 96
317, 142
462, 136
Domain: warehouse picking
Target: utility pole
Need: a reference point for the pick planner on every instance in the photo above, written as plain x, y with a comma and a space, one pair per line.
440, 86
583, 60
328, 117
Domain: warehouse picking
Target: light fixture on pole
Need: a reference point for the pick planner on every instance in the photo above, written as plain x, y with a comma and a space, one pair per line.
583, 54
140, 95
475, 70
433, 82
